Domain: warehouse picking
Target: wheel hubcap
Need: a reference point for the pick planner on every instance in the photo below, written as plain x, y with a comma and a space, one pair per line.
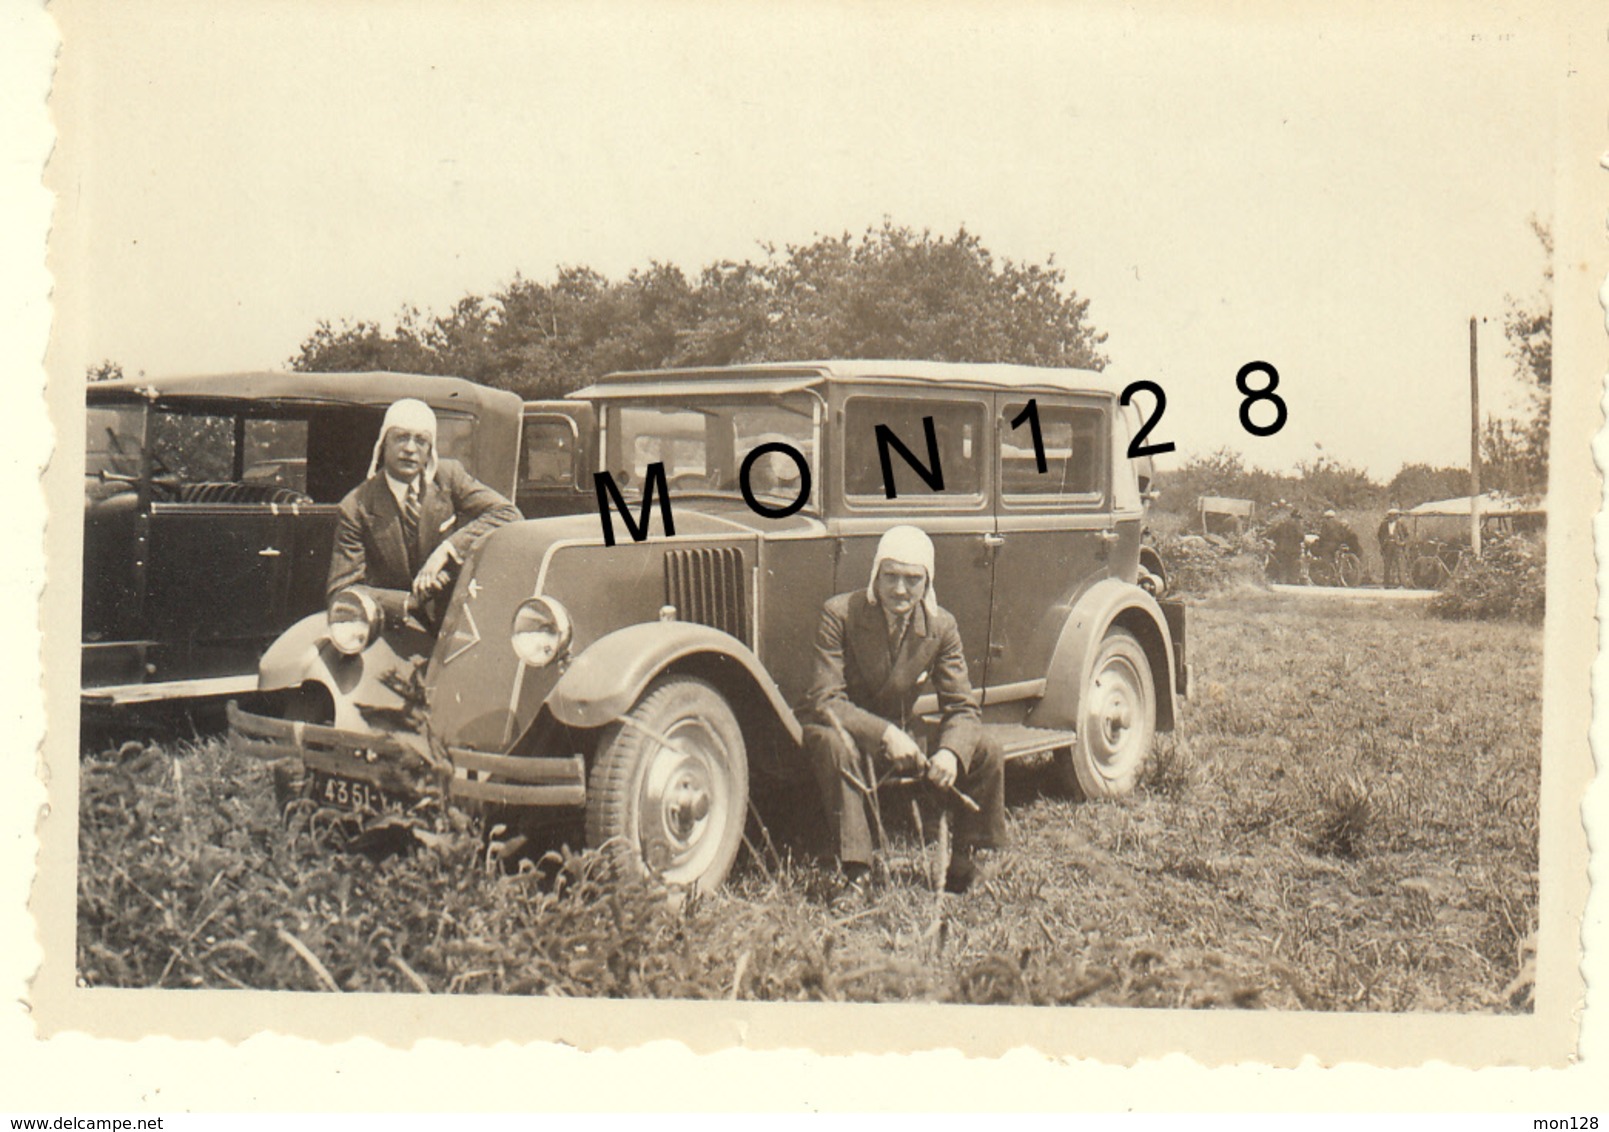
684, 803
1114, 713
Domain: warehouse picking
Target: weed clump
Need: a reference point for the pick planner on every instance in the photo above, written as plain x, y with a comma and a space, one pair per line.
1170, 771
1345, 818
1509, 580
1199, 566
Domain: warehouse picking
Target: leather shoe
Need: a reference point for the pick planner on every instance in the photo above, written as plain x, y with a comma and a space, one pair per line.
962, 873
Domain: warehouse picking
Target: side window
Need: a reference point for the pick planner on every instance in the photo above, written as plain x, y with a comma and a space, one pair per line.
276, 454
958, 427
193, 447
455, 436
549, 448
1073, 455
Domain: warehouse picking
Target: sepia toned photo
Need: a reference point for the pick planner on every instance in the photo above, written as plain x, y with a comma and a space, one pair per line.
908, 529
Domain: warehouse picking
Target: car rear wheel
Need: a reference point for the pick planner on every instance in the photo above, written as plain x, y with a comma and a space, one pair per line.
668, 792
1116, 722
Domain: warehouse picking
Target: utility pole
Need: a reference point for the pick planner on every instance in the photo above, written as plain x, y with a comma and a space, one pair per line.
1474, 447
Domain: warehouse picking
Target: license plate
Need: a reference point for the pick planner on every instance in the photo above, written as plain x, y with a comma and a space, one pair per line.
344, 793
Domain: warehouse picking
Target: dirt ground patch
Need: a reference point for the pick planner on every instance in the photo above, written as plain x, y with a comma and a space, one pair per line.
1350, 823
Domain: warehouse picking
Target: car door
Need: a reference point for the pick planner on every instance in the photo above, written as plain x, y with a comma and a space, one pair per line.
554, 477
1054, 530
216, 579
958, 517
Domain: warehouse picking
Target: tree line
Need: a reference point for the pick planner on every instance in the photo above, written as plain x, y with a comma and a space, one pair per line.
890, 292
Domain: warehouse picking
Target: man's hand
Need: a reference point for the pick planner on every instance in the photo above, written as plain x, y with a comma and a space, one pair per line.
943, 768
432, 575
903, 751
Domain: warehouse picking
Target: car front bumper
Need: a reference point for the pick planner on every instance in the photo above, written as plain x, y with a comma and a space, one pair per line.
405, 769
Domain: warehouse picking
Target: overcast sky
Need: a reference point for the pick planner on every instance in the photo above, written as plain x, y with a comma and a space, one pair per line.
1335, 196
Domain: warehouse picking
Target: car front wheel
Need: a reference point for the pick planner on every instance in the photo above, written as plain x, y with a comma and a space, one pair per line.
668, 791
1116, 721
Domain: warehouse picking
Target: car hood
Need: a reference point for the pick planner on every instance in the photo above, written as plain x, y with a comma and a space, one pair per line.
693, 516
483, 697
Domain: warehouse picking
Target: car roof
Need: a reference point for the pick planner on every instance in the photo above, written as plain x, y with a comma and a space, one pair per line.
378, 387
779, 377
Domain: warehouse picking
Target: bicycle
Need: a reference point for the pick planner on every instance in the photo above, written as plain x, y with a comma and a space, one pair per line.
1430, 569
1343, 568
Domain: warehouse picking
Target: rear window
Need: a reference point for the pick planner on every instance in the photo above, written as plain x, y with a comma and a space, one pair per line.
1072, 438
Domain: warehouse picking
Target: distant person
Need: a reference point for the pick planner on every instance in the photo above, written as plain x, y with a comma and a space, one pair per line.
402, 529
1392, 536
1286, 535
1334, 536
877, 649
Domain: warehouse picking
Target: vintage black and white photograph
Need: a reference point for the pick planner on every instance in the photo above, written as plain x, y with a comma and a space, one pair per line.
1036, 506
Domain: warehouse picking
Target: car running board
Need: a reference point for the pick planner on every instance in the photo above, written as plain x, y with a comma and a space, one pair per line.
1018, 741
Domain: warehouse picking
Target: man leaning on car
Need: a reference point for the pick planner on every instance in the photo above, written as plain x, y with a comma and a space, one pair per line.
876, 650
405, 527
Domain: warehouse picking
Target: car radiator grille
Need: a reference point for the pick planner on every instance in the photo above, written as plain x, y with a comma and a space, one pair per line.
708, 587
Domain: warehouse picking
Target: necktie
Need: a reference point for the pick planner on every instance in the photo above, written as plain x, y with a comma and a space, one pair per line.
410, 519
896, 636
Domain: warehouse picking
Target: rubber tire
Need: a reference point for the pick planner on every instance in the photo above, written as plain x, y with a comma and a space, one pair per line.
1429, 572
1152, 562
678, 708
1079, 768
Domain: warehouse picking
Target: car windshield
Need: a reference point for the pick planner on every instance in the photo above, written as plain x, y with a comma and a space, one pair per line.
113, 438
114, 435
703, 444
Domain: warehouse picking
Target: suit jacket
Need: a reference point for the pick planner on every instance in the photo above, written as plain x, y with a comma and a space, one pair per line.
370, 548
867, 689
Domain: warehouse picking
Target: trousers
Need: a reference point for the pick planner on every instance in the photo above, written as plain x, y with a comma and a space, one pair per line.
984, 781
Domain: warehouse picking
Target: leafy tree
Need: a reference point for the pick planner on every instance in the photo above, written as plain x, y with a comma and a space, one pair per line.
895, 293
1325, 481
892, 292
1420, 483
1518, 450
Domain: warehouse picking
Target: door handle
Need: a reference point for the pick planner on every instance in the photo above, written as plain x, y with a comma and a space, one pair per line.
993, 540
268, 552
1108, 536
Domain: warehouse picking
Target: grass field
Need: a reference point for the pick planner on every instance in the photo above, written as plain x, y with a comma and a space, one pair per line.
1350, 824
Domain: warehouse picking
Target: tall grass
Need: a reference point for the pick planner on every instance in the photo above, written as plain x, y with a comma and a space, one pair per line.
1350, 822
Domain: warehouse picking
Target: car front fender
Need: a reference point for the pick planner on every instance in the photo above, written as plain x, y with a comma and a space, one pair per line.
303, 655
611, 674
1110, 603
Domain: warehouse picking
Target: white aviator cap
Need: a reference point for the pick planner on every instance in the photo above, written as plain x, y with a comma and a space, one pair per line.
412, 416
912, 547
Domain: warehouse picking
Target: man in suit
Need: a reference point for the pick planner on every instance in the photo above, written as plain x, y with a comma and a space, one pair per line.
877, 650
1392, 535
403, 528
1286, 537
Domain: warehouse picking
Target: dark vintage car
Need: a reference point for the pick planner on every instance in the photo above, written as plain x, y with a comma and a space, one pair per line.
210, 508
647, 682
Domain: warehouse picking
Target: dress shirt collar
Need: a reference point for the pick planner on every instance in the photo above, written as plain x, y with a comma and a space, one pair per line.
399, 488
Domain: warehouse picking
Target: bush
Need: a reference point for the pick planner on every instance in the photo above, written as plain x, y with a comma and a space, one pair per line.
1200, 566
1508, 580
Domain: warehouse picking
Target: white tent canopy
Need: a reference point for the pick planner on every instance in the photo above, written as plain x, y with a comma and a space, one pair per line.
1491, 503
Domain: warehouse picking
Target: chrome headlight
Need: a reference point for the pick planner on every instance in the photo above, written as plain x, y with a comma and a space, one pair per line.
354, 621
541, 631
